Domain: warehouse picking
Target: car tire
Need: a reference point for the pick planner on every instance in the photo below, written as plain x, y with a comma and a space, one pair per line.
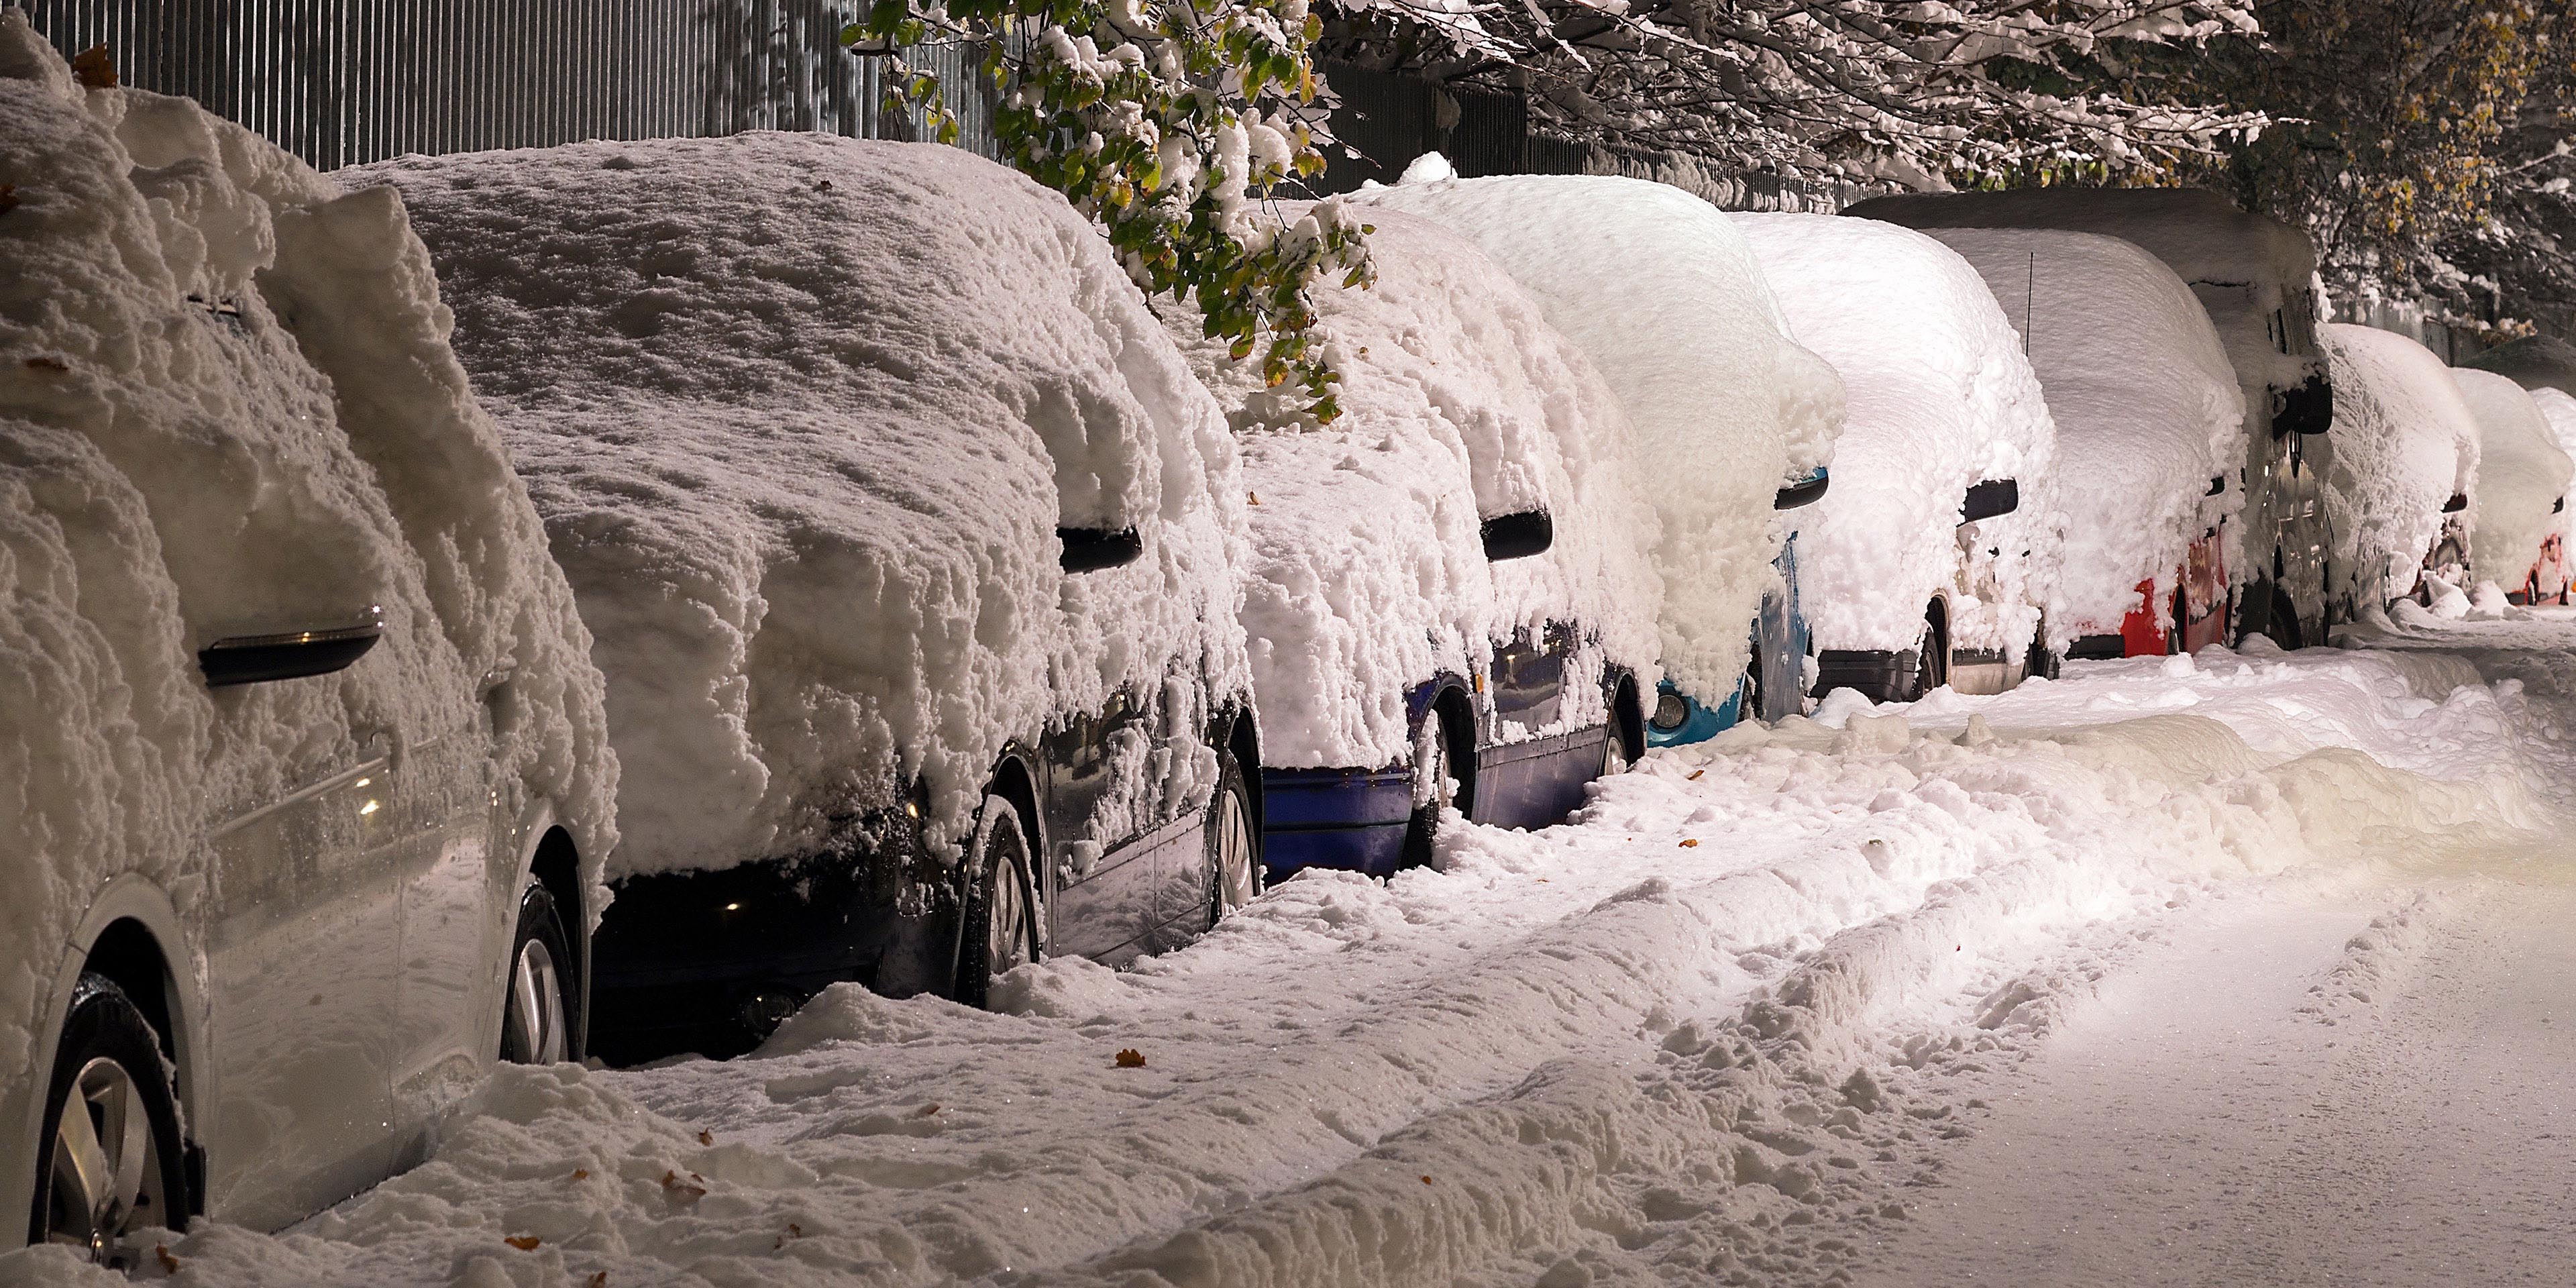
116, 1167
538, 1017
1432, 756
1931, 663
1233, 843
1625, 734
998, 929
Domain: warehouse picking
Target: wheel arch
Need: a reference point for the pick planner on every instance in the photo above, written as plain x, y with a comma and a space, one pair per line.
1242, 737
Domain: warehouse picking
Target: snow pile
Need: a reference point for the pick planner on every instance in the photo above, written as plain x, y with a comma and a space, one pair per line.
2146, 407
1939, 397
1591, 1054
1661, 291
2522, 474
2405, 443
227, 407
1368, 573
803, 415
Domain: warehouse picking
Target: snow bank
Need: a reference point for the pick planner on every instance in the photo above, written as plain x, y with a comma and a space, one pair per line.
1368, 573
1660, 290
2405, 442
2146, 407
215, 370
1939, 397
802, 415
2522, 474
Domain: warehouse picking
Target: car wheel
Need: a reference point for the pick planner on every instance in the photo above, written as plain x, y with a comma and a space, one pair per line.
111, 1162
536, 1021
998, 932
1233, 848
1431, 762
1622, 733
1931, 664
2044, 662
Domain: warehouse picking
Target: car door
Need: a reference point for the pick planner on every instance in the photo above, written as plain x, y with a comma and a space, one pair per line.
457, 919
301, 958
1525, 781
1105, 900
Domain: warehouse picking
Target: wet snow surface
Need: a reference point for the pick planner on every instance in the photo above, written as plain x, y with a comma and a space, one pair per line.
2236, 968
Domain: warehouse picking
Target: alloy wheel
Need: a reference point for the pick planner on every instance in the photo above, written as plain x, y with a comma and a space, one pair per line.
1234, 875
105, 1180
537, 1011
1006, 940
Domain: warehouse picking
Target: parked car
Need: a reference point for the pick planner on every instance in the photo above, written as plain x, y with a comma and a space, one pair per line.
912, 550
2546, 369
1660, 291
2150, 431
306, 762
1923, 566
1450, 604
2406, 462
2255, 277
2518, 504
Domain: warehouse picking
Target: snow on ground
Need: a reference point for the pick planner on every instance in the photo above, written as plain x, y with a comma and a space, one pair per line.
1743, 1022
2522, 474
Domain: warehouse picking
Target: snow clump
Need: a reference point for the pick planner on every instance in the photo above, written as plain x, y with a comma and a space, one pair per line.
1368, 572
2522, 473
2405, 442
1661, 291
2146, 407
803, 415
1939, 397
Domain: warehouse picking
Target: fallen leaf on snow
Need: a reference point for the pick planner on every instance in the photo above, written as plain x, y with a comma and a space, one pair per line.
1131, 1058
95, 67
706, 1137
926, 1110
581, 1173
1694, 775
1690, 842
1426, 1180
523, 1242
599, 1280
169, 1264
682, 1191
44, 363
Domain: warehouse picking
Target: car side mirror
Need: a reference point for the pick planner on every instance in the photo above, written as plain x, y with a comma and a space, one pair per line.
1518, 536
2459, 501
1990, 498
290, 655
1092, 549
1806, 491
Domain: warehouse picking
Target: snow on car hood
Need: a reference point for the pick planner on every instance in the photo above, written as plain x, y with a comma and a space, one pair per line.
2146, 407
1660, 290
2404, 442
803, 415
227, 407
1938, 398
2522, 473
1368, 574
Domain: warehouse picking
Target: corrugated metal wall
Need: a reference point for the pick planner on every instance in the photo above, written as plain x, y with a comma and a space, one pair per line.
343, 81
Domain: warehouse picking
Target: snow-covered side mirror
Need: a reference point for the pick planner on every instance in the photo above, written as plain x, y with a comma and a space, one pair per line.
2217, 485
1806, 491
2459, 501
1092, 549
2307, 409
290, 655
1990, 498
1518, 536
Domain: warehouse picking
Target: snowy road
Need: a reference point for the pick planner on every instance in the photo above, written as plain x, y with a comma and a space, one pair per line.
2057, 987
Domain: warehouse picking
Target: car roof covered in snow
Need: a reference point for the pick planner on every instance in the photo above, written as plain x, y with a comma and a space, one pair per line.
1459, 403
2146, 407
1661, 291
2522, 475
804, 415
1938, 397
2405, 442
228, 408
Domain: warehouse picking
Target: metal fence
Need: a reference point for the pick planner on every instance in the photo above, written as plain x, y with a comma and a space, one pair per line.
343, 81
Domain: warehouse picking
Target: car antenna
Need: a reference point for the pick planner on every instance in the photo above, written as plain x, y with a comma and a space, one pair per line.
2029, 294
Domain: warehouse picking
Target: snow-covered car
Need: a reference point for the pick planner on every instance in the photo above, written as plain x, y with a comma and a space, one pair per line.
2545, 367
1450, 601
912, 549
2406, 461
305, 764
2150, 435
2255, 277
1919, 568
2517, 509
1660, 290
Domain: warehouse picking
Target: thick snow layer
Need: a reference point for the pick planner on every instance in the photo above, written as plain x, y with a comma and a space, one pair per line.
803, 415
1939, 397
2404, 443
1661, 291
1459, 403
2558, 411
1729, 1025
2522, 474
2244, 267
2146, 407
227, 407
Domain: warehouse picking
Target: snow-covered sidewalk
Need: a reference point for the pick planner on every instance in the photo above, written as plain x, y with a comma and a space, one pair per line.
1754, 1018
